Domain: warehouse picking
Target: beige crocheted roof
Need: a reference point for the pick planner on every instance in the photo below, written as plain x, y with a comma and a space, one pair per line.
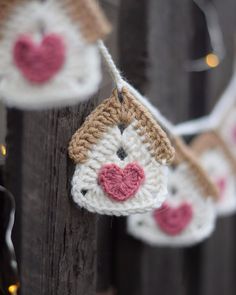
112, 112
86, 13
184, 154
211, 140
6, 7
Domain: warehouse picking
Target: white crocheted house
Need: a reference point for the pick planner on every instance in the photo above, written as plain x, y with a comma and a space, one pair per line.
188, 214
121, 156
48, 51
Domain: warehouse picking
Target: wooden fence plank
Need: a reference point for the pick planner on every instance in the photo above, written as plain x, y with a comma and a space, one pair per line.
65, 250
105, 223
158, 58
58, 241
219, 257
169, 89
127, 253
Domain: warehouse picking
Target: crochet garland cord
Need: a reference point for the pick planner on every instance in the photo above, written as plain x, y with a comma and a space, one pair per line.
206, 123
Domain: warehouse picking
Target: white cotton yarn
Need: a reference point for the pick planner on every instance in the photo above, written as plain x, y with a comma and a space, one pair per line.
151, 193
187, 189
76, 81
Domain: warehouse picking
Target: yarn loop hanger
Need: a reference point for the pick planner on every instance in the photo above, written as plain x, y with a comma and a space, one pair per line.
120, 83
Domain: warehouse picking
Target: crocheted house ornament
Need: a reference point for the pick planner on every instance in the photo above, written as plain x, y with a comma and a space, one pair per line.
188, 214
48, 52
220, 164
227, 130
121, 156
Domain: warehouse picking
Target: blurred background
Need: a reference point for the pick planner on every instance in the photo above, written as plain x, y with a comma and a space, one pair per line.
61, 250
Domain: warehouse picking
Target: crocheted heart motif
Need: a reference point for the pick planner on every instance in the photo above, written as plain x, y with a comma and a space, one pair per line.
121, 184
39, 62
173, 220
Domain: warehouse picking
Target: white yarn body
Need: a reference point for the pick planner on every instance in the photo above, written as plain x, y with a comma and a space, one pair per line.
228, 129
152, 192
218, 167
183, 180
76, 81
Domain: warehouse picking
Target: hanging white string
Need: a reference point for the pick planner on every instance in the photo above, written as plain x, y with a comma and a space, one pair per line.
120, 83
214, 58
115, 73
210, 122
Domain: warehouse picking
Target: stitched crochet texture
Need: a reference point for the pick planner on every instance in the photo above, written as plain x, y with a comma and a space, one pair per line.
171, 225
120, 168
121, 184
88, 14
112, 112
73, 79
220, 164
39, 63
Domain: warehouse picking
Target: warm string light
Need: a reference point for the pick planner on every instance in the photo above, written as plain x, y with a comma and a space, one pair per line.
3, 150
13, 289
212, 60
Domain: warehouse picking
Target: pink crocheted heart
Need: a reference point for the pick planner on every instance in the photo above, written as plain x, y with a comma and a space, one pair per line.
171, 220
39, 62
221, 184
120, 184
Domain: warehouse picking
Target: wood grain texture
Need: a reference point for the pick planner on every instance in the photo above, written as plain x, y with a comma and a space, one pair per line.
105, 229
218, 253
132, 48
58, 240
169, 43
66, 250
156, 67
169, 89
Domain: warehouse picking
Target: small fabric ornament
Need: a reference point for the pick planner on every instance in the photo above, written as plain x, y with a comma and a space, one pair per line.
227, 130
188, 215
48, 52
220, 165
120, 154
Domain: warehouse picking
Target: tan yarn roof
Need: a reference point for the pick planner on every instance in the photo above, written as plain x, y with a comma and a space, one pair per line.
184, 154
211, 140
112, 112
87, 13
6, 7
